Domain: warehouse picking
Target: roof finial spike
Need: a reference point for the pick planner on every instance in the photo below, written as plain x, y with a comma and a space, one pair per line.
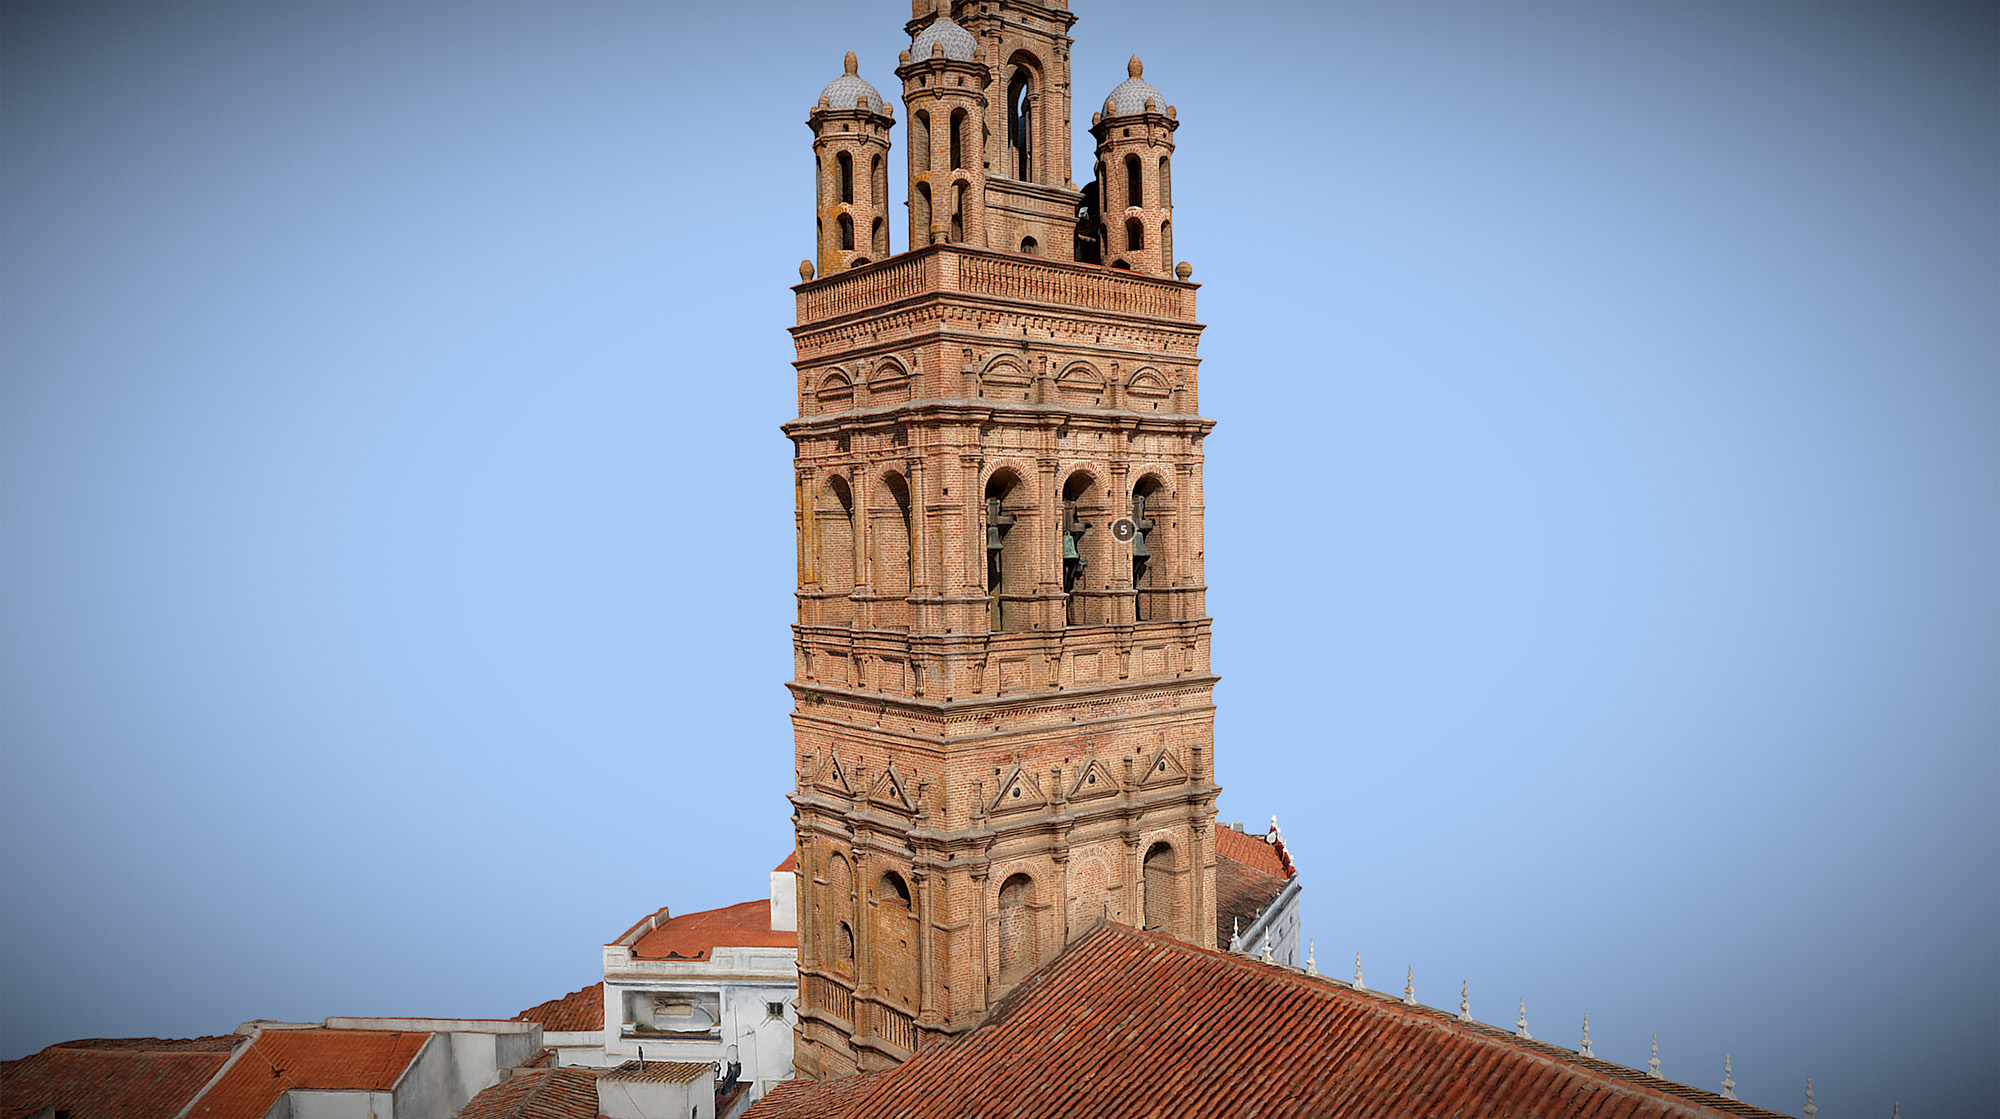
1653, 1062
1312, 965
1728, 1079
1521, 1027
1236, 934
1267, 948
1358, 984
1812, 1109
1897, 1111
853, 66
1273, 837
1583, 1047
1410, 985
1464, 1003
1135, 67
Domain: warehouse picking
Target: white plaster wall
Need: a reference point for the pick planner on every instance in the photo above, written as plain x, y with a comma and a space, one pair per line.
425, 1089
645, 1099
313, 1104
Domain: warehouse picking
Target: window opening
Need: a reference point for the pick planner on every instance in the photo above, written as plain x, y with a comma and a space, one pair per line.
998, 523
1159, 884
1074, 563
958, 213
1142, 555
958, 140
1135, 234
846, 232
894, 889
1020, 124
1029, 246
1135, 182
846, 165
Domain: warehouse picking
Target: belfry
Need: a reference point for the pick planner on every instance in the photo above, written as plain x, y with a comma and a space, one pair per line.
1002, 700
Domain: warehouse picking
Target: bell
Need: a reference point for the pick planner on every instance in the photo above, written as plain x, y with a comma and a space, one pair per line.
1139, 547
993, 543
1069, 547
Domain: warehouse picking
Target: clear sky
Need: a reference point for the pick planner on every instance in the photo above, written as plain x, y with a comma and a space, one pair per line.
1604, 512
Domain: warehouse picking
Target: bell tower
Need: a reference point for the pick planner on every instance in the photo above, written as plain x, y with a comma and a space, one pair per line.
1002, 703
851, 153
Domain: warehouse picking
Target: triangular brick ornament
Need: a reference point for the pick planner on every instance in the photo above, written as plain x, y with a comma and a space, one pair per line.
1019, 790
833, 775
1093, 781
889, 792
1163, 767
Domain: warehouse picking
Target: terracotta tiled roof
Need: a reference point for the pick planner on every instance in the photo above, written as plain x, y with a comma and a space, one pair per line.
804, 1099
791, 863
1129, 1023
663, 1072
550, 1093
576, 1012
280, 1060
1248, 877
112, 1078
691, 936
1252, 851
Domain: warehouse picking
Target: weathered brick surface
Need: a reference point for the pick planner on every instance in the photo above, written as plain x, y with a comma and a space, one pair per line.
994, 753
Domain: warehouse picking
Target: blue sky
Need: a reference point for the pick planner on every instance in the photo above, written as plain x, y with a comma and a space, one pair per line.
1604, 510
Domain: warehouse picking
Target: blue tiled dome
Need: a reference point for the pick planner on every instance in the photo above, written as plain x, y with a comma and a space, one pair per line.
1132, 93
851, 91
958, 42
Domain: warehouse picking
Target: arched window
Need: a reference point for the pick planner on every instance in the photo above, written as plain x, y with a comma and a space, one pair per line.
891, 539
846, 164
1135, 234
878, 194
1019, 943
1166, 184
920, 142
879, 237
1079, 512
1030, 246
920, 214
1147, 561
846, 226
1006, 565
1166, 248
1021, 124
893, 889
1135, 182
958, 139
835, 516
1158, 880
958, 213
843, 943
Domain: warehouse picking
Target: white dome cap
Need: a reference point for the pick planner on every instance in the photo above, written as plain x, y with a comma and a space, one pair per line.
851, 91
1132, 93
958, 42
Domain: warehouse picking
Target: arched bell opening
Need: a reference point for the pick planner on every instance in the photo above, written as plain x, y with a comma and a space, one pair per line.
833, 524
1083, 544
892, 554
1149, 561
1009, 569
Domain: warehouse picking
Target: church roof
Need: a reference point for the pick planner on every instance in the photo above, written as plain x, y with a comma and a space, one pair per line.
576, 1012
1249, 875
1130, 1023
112, 1078
325, 1060
693, 936
551, 1093
851, 91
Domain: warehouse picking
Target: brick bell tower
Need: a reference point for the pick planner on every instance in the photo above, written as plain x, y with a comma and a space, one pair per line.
1003, 707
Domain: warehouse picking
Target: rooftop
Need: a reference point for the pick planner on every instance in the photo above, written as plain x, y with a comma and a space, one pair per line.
1090, 1034
112, 1078
695, 936
550, 1093
1249, 876
663, 1072
277, 1061
576, 1012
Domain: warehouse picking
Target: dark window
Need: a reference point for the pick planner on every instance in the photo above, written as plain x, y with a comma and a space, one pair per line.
846, 163
846, 232
1021, 125
1135, 182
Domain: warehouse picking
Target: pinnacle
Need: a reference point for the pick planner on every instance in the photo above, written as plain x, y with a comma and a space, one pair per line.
853, 67
1135, 67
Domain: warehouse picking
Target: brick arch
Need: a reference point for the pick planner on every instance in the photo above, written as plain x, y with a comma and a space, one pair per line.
835, 391
1162, 892
1017, 936
1010, 568
1080, 383
1086, 494
1006, 377
892, 555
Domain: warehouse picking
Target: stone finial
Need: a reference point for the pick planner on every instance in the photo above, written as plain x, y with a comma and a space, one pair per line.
902, 58
1358, 984
937, 49
1184, 270
1273, 837
1653, 1062
1583, 1047
1235, 933
1410, 985
1135, 67
1812, 1108
1312, 965
805, 270
1896, 1112
1464, 1004
1095, 117
1152, 106
850, 64
1267, 949
1728, 1079
1521, 1024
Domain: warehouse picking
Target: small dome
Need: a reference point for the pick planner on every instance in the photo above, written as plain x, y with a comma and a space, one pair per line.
1132, 93
851, 91
958, 42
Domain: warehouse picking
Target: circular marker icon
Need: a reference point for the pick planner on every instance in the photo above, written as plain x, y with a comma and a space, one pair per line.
1123, 529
